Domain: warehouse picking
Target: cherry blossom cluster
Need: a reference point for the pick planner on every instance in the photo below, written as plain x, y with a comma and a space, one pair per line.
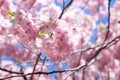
63, 35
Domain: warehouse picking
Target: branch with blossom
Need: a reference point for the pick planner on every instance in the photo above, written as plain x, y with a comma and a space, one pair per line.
36, 35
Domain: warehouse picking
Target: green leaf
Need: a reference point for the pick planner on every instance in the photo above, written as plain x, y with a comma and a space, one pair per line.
12, 20
11, 14
41, 33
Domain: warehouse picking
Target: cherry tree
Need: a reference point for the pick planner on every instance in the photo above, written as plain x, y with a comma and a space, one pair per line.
59, 39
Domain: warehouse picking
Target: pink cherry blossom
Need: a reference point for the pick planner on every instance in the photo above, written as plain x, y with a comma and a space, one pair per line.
32, 29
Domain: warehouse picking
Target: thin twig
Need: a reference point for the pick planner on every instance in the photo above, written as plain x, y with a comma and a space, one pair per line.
108, 27
69, 75
24, 77
42, 66
103, 47
10, 71
65, 8
38, 57
115, 40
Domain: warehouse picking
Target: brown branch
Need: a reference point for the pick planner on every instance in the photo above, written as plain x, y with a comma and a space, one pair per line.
112, 42
36, 62
24, 77
69, 75
115, 40
47, 73
42, 66
108, 27
65, 8
9, 71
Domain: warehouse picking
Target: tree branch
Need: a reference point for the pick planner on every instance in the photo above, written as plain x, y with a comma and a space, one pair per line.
38, 57
65, 8
108, 27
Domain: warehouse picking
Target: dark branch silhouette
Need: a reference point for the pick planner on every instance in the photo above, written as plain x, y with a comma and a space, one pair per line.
65, 8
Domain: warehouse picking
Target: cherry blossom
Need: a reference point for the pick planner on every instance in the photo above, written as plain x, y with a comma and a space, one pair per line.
84, 34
